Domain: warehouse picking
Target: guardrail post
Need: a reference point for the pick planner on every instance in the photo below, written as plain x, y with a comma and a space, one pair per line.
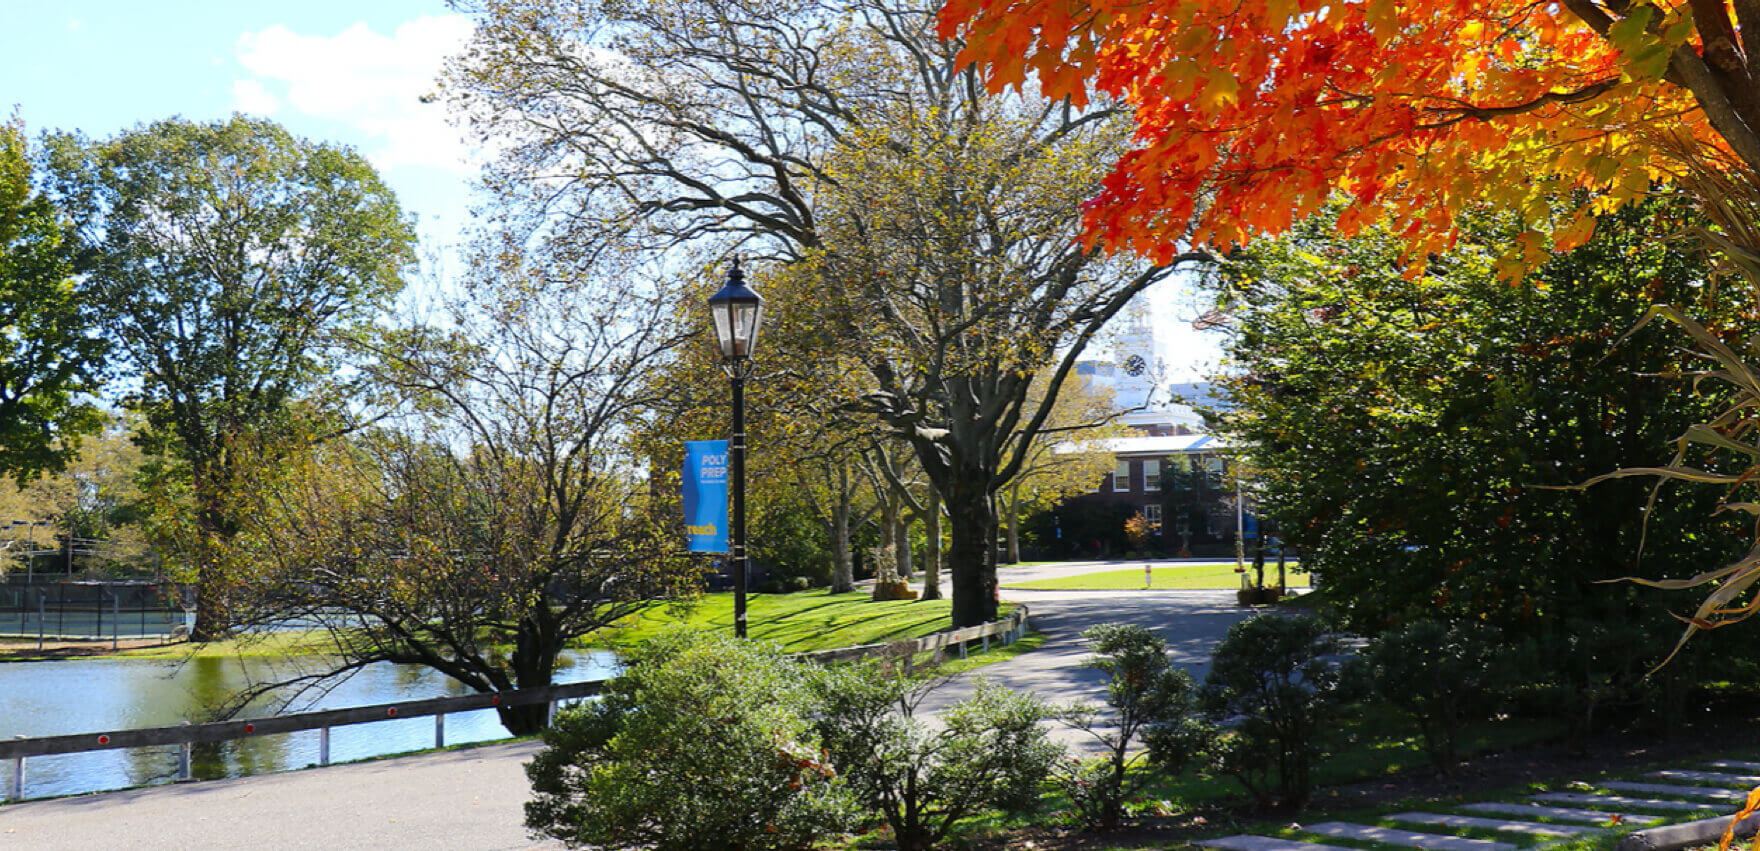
962, 650
18, 776
549, 713
986, 642
439, 729
323, 745
183, 758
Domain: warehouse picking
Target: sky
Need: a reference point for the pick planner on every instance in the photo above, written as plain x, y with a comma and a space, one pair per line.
342, 72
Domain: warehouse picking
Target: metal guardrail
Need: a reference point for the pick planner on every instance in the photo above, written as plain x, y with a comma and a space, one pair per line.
187, 735
1007, 630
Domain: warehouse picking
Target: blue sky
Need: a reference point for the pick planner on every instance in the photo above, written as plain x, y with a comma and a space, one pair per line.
344, 72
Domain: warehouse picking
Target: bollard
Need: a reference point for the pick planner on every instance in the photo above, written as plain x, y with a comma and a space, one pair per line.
439, 729
323, 745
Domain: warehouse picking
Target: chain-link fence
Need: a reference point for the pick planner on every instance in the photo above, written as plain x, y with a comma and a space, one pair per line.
93, 609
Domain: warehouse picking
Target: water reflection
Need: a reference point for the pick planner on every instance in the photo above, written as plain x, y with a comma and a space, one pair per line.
91, 695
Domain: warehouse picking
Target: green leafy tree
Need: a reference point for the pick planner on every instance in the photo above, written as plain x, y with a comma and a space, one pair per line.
1412, 431
1442, 674
988, 751
1283, 682
51, 353
703, 742
938, 225
231, 260
1149, 700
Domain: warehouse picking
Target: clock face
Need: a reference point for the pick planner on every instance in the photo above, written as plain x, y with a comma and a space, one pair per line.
1134, 365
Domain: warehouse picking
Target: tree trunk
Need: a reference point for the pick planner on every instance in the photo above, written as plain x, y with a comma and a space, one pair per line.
213, 592
932, 546
1014, 523
843, 572
901, 544
533, 662
971, 510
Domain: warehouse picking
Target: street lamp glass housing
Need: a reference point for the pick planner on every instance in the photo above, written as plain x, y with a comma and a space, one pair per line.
738, 313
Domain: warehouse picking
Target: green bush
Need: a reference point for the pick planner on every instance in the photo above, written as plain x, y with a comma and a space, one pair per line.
1440, 674
1147, 698
1282, 682
989, 751
703, 742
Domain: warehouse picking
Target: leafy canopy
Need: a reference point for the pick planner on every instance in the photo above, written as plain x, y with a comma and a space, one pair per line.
1250, 115
50, 352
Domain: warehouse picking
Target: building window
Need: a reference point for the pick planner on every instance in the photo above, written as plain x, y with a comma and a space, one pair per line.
1153, 514
1121, 478
1151, 475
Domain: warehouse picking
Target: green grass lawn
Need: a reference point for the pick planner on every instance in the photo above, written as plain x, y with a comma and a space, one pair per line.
1182, 577
801, 622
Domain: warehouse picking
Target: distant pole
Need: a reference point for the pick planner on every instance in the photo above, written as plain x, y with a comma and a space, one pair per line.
1240, 525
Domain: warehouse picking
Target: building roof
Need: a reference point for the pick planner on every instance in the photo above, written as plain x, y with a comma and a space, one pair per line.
1137, 447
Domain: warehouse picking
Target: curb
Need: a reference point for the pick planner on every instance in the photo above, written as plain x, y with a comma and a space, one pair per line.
1687, 834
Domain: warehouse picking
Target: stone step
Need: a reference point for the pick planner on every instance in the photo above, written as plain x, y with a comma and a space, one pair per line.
1523, 828
1391, 836
1716, 778
1624, 803
1672, 790
1735, 765
1596, 817
1245, 842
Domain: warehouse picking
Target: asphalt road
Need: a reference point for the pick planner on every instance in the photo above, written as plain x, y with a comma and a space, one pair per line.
473, 799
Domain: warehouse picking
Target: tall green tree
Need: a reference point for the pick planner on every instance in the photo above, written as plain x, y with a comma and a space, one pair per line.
937, 224
50, 350
232, 260
1419, 436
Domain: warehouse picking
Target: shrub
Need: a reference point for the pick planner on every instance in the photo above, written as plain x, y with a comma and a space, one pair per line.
703, 742
1149, 698
989, 751
1283, 683
1440, 674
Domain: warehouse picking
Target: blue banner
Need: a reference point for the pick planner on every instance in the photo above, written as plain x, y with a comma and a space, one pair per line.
705, 495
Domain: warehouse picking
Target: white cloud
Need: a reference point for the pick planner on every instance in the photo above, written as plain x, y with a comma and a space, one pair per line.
252, 97
365, 79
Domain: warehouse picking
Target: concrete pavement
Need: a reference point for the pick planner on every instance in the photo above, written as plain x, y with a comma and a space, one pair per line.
462, 799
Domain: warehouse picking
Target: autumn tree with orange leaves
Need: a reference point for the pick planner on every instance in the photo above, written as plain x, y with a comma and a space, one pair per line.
1252, 114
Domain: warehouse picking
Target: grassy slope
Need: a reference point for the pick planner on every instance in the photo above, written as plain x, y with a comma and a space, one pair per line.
1220, 577
809, 620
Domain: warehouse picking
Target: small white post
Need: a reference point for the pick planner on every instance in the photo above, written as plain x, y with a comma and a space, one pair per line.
323, 745
549, 713
439, 730
183, 760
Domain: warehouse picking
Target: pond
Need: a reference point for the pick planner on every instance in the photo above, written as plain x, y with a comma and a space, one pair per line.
93, 695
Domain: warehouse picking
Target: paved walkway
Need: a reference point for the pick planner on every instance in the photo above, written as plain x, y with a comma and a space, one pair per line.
473, 798
463, 799
1536, 821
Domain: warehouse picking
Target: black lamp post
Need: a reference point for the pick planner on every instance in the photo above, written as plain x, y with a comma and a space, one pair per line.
737, 312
